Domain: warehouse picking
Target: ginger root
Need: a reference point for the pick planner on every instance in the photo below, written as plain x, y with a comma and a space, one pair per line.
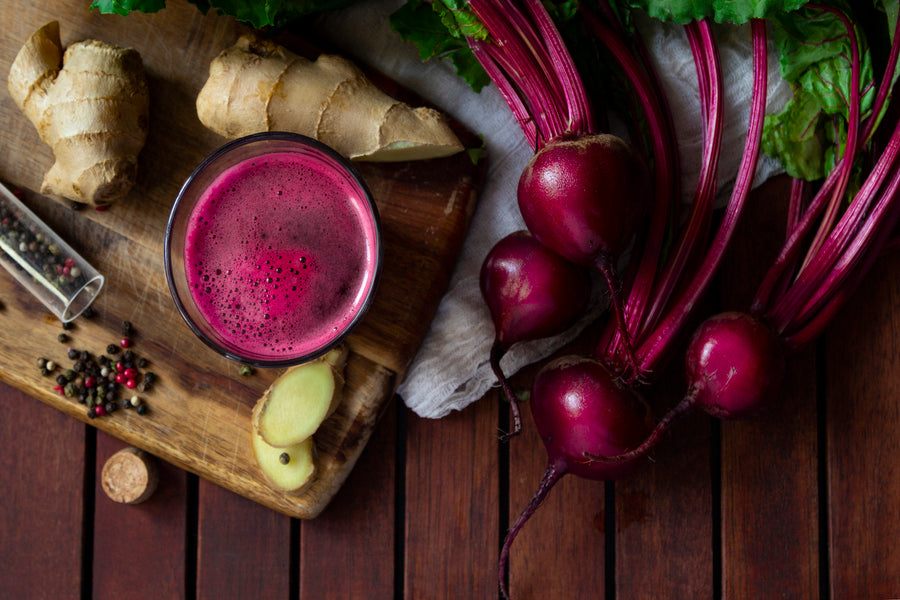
90, 105
257, 85
300, 400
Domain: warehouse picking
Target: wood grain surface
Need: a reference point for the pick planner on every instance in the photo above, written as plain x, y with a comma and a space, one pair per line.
199, 409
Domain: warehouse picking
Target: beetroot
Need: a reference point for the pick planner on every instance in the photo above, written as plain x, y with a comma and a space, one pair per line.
580, 410
531, 293
584, 197
734, 364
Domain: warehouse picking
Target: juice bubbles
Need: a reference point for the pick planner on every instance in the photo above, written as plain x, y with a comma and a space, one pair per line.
280, 256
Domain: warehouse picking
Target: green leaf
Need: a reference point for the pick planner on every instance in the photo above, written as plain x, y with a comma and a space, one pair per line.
257, 14
123, 7
438, 32
720, 11
814, 56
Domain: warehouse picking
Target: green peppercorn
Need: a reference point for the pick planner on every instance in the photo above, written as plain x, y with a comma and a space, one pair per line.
45, 371
69, 374
246, 370
69, 389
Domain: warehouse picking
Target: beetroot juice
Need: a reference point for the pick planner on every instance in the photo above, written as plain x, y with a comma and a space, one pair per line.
280, 255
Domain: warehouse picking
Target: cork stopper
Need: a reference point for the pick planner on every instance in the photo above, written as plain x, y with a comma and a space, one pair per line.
129, 476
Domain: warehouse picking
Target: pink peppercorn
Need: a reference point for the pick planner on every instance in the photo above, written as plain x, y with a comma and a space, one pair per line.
59, 389
120, 378
125, 343
129, 373
120, 367
70, 262
99, 410
89, 382
130, 384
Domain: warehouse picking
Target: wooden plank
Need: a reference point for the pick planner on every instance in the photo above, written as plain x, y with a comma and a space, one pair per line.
664, 512
243, 548
452, 500
560, 552
425, 210
132, 541
863, 442
41, 513
350, 549
770, 512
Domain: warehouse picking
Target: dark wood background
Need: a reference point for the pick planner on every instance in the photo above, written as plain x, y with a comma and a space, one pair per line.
800, 503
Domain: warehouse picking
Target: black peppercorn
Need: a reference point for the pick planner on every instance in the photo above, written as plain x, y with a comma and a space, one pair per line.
45, 371
125, 403
73, 353
82, 398
149, 377
141, 409
128, 356
62, 338
91, 413
112, 349
142, 362
68, 325
78, 367
126, 328
111, 407
284, 458
41, 363
85, 355
61, 380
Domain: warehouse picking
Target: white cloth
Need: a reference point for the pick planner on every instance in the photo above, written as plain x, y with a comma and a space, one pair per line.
451, 369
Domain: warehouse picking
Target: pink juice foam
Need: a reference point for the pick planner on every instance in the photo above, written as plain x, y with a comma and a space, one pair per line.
280, 255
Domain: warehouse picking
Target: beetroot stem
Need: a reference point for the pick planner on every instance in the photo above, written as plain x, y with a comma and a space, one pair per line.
552, 475
652, 352
497, 352
683, 407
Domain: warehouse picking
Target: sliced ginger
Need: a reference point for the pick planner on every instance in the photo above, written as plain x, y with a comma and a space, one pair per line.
290, 469
257, 85
90, 105
300, 400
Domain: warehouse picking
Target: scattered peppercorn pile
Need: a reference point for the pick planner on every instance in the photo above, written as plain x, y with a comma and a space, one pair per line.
99, 381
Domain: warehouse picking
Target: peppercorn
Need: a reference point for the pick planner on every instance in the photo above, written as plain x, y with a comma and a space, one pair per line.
135, 401
100, 410
85, 355
82, 398
125, 403
41, 363
62, 338
73, 353
69, 374
69, 389
68, 325
130, 384
45, 371
141, 409
142, 362
110, 407
92, 413
149, 377
246, 370
126, 328
61, 379
51, 366
284, 458
128, 356
79, 366
141, 387
112, 349
125, 342
89, 312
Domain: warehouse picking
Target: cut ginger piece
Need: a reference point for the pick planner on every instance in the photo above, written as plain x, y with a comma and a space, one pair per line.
300, 400
257, 85
290, 469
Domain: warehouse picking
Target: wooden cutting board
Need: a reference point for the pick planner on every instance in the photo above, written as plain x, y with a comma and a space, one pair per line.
200, 406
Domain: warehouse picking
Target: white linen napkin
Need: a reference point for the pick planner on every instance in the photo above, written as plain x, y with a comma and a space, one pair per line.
451, 369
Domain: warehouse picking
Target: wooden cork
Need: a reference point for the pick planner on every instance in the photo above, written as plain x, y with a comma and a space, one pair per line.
129, 476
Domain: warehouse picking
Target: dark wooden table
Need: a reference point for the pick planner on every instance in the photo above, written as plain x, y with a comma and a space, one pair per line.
803, 502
